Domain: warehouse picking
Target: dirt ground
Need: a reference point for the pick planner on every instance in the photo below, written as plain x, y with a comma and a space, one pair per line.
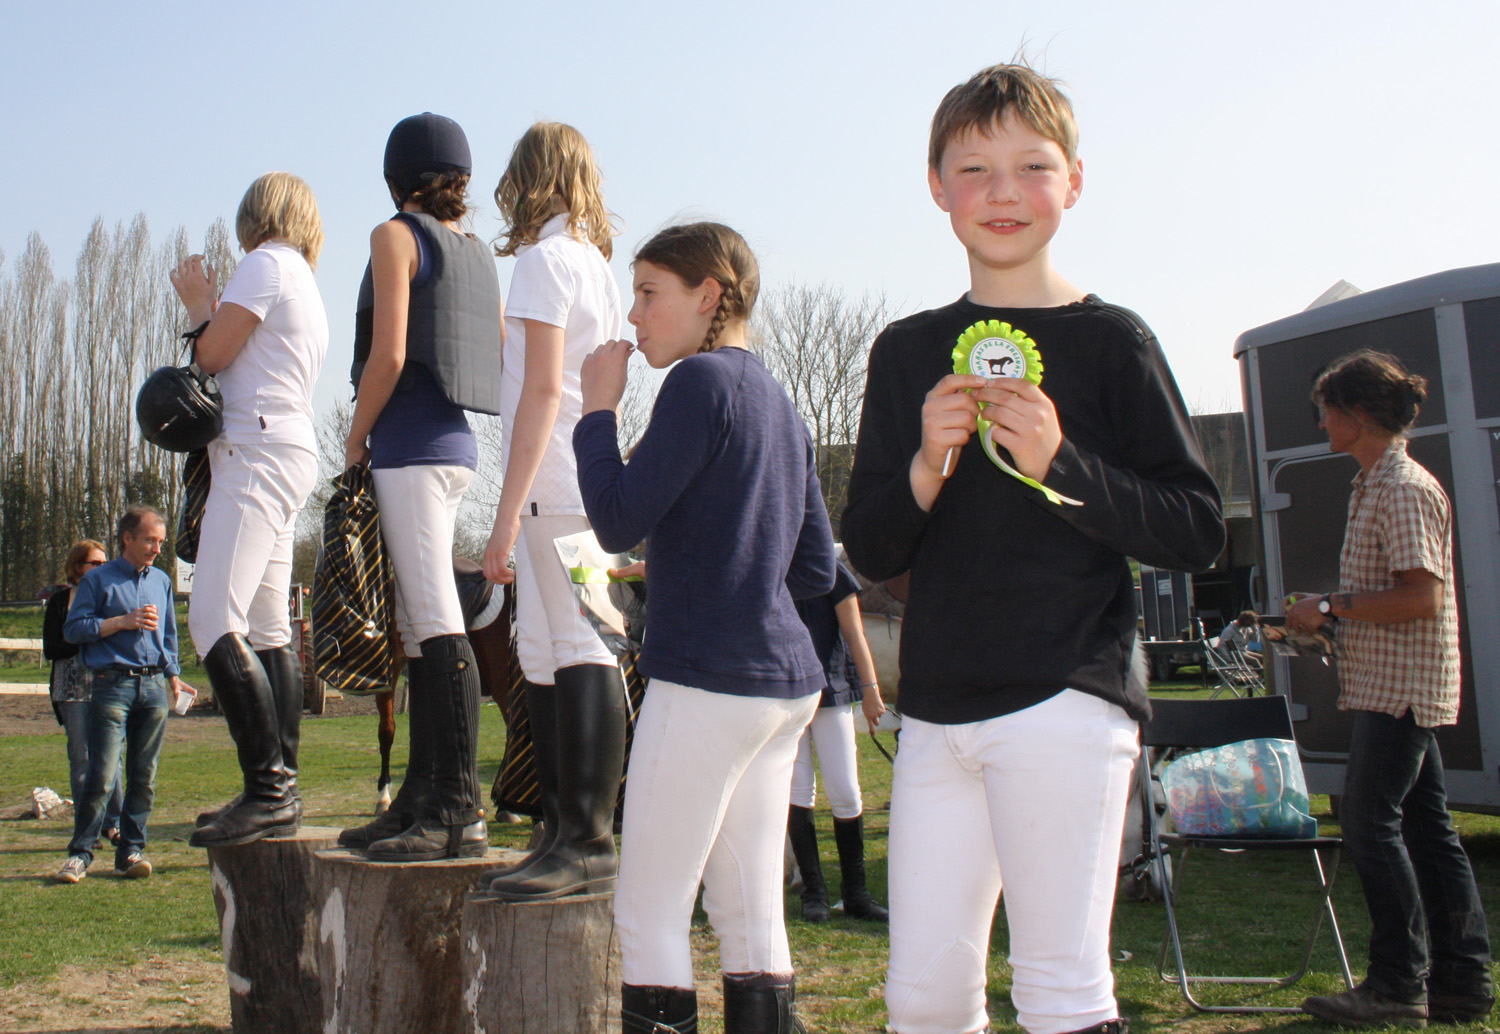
161, 994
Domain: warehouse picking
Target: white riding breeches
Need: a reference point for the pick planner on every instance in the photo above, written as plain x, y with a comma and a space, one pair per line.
706, 801
832, 733
551, 630
244, 567
1033, 801
418, 508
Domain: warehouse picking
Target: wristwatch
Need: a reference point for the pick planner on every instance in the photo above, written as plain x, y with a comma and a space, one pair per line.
1325, 605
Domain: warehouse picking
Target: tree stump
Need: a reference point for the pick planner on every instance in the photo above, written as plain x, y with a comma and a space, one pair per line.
267, 896
389, 942
541, 967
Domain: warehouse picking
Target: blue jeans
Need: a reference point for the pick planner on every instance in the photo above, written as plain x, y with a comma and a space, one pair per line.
1417, 880
75, 715
128, 713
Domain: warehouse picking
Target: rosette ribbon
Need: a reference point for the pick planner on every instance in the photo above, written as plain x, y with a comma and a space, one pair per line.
990, 349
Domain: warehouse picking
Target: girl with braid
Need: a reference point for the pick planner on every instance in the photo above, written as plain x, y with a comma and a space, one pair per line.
723, 488
563, 303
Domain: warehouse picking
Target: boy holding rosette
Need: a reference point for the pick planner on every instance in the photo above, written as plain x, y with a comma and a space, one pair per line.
1014, 502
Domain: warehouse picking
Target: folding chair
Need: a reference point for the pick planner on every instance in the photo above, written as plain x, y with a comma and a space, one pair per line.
1212, 723
1235, 674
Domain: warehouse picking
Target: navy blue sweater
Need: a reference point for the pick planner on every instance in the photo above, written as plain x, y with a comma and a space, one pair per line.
724, 490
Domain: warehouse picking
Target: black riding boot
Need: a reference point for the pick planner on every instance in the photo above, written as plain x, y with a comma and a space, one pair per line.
541, 710
591, 736
284, 668
416, 783
658, 1010
245, 696
849, 835
804, 837
760, 1003
450, 824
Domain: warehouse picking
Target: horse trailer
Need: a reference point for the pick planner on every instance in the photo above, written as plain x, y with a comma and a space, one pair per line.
1447, 328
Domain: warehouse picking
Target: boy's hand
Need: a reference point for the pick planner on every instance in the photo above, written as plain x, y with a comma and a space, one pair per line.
1025, 423
949, 417
602, 377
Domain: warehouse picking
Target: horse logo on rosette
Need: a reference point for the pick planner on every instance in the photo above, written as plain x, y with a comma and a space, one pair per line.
992, 348
997, 357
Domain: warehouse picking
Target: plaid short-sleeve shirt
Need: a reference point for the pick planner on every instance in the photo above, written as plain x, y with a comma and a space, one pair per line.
1399, 520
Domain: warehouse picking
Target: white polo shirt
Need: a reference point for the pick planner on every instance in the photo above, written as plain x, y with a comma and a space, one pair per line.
566, 283
268, 388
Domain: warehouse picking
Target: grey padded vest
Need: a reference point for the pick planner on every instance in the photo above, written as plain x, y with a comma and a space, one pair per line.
453, 322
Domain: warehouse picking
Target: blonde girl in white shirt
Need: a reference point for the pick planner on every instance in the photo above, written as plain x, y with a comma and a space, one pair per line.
264, 340
563, 302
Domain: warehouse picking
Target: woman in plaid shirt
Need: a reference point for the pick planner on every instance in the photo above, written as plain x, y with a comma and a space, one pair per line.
1399, 674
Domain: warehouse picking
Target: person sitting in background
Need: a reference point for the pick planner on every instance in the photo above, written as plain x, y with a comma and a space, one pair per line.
1243, 632
72, 682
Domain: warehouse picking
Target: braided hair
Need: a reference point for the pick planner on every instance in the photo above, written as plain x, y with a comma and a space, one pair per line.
695, 252
1376, 384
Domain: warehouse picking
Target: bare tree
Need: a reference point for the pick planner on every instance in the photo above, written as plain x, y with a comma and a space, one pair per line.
816, 341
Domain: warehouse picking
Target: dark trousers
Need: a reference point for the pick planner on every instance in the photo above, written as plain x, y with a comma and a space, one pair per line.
128, 715
1417, 881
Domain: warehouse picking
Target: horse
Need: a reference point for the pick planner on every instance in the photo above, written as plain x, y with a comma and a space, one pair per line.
487, 619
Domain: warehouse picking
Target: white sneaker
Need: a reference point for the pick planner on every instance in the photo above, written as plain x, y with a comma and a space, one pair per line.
135, 867
73, 870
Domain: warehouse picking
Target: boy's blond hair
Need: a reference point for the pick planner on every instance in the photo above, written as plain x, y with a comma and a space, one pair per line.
280, 207
552, 170
993, 93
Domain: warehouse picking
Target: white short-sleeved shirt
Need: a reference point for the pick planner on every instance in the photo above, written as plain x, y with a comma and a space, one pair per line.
567, 283
268, 388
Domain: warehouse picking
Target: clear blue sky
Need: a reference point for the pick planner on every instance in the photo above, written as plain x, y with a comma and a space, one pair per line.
1238, 158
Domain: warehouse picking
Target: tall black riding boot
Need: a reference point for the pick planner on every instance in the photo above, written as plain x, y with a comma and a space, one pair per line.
658, 1010
245, 696
284, 669
759, 1003
541, 710
416, 783
804, 837
450, 824
591, 754
849, 835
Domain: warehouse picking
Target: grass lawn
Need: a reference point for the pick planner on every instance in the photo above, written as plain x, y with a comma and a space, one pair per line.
1241, 913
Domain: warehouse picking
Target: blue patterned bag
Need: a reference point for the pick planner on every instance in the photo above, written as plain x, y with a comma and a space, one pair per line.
1253, 788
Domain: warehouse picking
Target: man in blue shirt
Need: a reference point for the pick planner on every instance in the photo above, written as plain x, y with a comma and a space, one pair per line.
123, 619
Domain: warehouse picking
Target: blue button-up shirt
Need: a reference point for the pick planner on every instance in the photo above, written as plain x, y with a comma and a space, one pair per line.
115, 589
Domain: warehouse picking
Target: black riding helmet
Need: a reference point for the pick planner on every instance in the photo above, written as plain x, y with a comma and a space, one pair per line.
179, 408
422, 147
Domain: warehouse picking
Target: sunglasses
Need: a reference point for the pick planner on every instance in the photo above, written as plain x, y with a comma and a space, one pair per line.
92, 563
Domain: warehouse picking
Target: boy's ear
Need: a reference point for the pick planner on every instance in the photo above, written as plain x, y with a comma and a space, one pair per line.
1075, 184
935, 184
709, 293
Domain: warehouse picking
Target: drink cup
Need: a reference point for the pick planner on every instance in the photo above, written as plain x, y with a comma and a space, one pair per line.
185, 696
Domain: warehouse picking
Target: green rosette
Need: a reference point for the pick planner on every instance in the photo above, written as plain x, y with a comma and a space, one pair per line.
991, 349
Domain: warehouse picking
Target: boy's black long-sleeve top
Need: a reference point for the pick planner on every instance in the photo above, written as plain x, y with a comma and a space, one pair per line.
1014, 598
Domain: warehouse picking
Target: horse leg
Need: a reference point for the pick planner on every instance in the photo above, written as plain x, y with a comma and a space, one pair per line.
385, 704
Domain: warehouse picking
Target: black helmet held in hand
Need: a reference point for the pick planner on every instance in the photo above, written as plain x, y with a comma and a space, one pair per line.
422, 147
179, 408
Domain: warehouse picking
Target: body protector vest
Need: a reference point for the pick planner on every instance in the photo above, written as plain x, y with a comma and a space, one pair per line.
453, 321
